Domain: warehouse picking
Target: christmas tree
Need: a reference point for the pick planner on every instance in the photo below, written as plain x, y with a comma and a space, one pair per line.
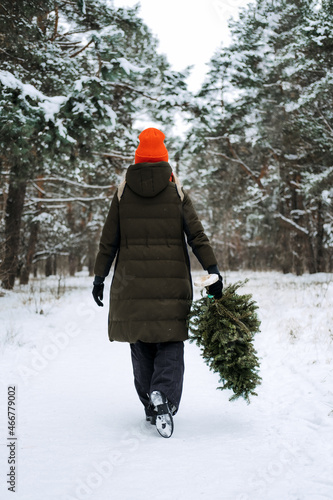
224, 329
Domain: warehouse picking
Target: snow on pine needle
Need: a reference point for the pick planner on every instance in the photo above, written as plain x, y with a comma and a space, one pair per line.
224, 329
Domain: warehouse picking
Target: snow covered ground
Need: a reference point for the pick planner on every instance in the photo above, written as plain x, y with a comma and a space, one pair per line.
80, 427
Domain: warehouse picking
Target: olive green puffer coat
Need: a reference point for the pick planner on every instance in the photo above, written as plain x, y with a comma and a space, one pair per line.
151, 290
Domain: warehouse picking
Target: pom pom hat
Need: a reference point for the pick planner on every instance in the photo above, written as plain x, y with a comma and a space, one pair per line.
151, 148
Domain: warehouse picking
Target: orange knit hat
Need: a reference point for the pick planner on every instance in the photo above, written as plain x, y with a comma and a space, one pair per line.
151, 148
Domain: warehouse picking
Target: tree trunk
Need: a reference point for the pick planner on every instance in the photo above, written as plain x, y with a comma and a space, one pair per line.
79, 264
320, 239
91, 263
48, 266
54, 265
13, 217
72, 264
283, 253
91, 255
26, 269
311, 261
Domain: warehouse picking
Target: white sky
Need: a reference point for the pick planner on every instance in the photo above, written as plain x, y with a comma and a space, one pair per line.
189, 31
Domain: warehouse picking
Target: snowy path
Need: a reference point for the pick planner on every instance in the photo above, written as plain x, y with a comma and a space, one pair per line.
80, 427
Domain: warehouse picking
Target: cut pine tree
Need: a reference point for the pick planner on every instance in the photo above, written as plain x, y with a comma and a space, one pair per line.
224, 330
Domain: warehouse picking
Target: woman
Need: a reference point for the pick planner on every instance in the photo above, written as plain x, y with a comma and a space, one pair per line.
151, 290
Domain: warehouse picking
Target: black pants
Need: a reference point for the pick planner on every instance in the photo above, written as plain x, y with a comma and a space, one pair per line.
158, 367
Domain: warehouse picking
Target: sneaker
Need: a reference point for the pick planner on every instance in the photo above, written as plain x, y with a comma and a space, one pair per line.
164, 420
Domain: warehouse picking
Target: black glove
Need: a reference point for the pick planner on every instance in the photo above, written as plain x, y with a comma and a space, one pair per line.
216, 288
98, 290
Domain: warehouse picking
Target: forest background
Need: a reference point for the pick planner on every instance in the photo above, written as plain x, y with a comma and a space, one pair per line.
76, 78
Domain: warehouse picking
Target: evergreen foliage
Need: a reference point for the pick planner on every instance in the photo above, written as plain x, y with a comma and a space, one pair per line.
75, 76
224, 329
260, 148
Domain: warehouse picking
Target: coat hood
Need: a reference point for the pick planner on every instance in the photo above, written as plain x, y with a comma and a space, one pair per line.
148, 179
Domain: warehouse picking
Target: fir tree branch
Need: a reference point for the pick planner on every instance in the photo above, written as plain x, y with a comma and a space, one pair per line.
224, 329
11, 56
75, 32
82, 49
69, 44
224, 310
130, 87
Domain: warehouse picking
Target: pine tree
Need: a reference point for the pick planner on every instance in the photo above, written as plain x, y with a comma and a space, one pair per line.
309, 93
71, 89
264, 137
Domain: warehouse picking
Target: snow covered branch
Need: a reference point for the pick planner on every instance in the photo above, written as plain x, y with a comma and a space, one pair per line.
67, 200
114, 155
130, 87
292, 224
39, 189
74, 183
246, 169
218, 137
82, 49
324, 119
11, 56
